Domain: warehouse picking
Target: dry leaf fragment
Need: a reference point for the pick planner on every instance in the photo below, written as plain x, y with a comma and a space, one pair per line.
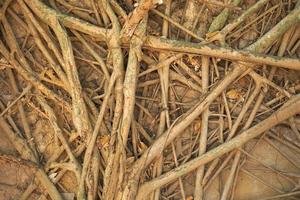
234, 94
189, 198
103, 141
243, 82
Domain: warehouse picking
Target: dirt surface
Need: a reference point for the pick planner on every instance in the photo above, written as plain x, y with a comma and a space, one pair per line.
149, 99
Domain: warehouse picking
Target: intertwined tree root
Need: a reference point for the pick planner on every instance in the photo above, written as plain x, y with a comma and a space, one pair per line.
123, 87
